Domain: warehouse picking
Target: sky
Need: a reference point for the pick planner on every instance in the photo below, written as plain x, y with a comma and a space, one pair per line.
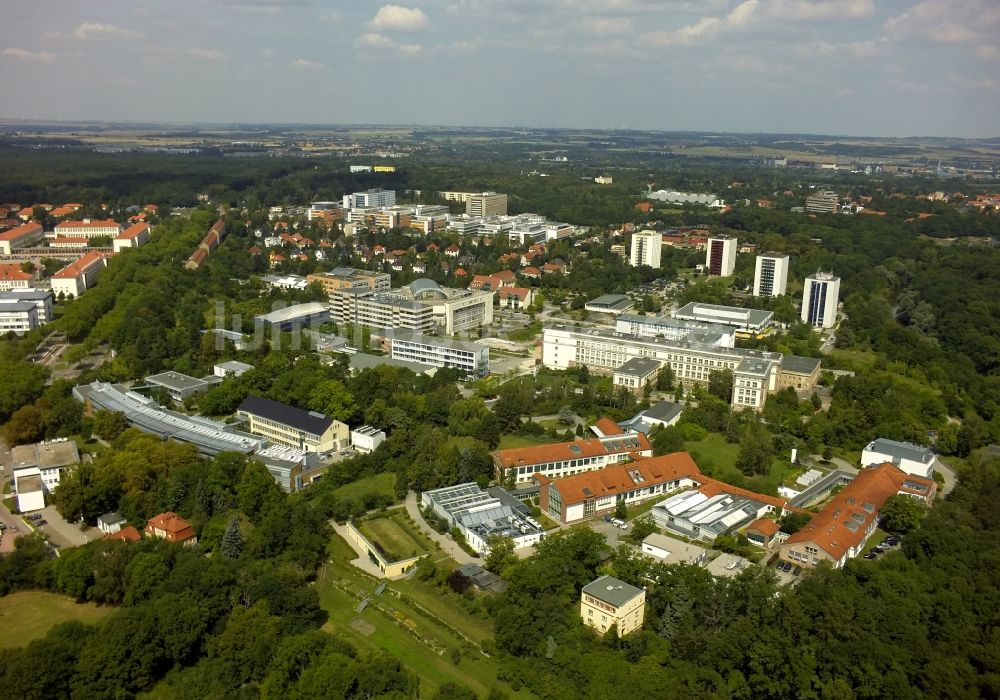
851, 67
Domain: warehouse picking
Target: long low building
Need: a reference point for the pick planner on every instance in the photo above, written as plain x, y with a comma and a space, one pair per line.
77, 277
41, 299
840, 531
472, 359
20, 237
18, 317
910, 458
142, 412
481, 514
750, 322
422, 306
673, 328
595, 493
560, 459
297, 316
309, 431
291, 469
756, 373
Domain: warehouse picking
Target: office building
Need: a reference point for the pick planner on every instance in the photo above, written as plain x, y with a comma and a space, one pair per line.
613, 304
295, 317
367, 438
37, 469
135, 236
210, 437
20, 237
822, 202
693, 359
18, 317
636, 374
77, 277
422, 306
368, 199
457, 196
840, 531
609, 602
567, 458
819, 300
746, 322
486, 204
800, 373
181, 386
905, 456
326, 214
471, 359
673, 328
720, 255
231, 368
308, 431
595, 493
483, 514
675, 197
351, 278
13, 277
88, 228
770, 277
646, 248
714, 508
661, 413
41, 298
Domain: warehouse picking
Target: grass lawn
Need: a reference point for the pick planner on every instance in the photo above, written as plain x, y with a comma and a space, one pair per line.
510, 441
527, 333
381, 484
874, 541
717, 458
29, 615
437, 622
395, 538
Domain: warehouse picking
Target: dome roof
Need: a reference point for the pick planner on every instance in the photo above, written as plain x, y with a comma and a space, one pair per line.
424, 288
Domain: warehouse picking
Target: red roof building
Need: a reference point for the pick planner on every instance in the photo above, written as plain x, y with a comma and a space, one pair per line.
839, 532
568, 458
13, 277
595, 493
172, 528
126, 534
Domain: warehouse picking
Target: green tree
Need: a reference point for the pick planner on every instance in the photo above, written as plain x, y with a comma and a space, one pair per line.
25, 426
108, 425
665, 378
720, 384
621, 510
232, 540
332, 398
756, 452
501, 554
901, 514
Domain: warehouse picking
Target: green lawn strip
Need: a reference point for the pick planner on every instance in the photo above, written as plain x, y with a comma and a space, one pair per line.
874, 541
382, 484
393, 537
511, 441
717, 458
404, 630
29, 615
445, 607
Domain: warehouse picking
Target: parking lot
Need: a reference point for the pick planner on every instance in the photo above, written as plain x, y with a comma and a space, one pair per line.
611, 532
63, 534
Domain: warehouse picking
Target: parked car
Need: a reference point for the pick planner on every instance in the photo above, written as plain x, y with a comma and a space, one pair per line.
39, 523
786, 567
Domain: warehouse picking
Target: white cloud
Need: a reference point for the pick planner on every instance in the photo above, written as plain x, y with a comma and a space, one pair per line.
908, 86
809, 10
95, 30
605, 26
825, 49
33, 56
207, 54
306, 64
375, 41
400, 19
706, 27
947, 21
745, 63
384, 43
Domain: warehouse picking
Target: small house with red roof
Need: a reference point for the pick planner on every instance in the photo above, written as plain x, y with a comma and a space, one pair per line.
171, 527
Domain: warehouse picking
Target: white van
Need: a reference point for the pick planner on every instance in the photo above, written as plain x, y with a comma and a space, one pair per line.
619, 523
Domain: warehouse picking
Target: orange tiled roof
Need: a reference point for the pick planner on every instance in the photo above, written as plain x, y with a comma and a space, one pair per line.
858, 503
176, 527
608, 426
519, 292
97, 223
559, 451
711, 488
83, 264
126, 534
22, 230
765, 526
10, 272
616, 479
133, 231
